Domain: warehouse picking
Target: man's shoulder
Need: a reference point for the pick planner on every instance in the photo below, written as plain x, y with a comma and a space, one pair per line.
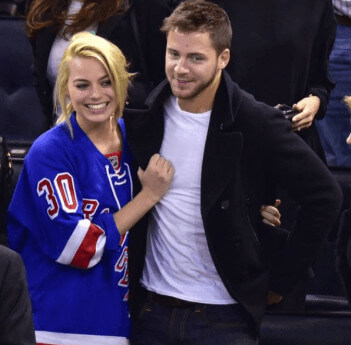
245, 106
257, 121
155, 100
158, 94
54, 136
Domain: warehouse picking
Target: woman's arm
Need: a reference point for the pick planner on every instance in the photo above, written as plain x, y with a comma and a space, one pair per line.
53, 207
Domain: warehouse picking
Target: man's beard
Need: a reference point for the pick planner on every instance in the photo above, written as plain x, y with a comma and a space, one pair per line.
199, 88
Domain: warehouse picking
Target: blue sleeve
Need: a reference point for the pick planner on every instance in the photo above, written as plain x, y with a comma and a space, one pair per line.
48, 206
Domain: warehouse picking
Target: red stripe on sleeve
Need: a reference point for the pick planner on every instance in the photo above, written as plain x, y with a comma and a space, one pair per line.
87, 248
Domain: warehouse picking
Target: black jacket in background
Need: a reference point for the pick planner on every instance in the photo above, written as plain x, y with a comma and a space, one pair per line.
16, 324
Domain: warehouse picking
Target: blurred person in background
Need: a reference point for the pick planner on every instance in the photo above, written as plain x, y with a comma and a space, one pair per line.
16, 322
336, 124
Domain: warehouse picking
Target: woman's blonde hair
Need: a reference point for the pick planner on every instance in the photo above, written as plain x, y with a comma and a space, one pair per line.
347, 100
88, 45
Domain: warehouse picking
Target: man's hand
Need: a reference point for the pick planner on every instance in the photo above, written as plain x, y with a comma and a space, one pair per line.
273, 298
348, 139
271, 214
307, 108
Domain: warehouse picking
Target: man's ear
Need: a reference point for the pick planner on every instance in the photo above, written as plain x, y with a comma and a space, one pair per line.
224, 58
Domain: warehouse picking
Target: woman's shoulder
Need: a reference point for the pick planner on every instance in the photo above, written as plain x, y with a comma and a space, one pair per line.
51, 141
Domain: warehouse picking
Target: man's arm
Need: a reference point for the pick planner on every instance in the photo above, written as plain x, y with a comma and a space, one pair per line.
296, 168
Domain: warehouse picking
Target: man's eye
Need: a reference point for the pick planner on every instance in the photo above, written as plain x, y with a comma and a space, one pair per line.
172, 54
196, 58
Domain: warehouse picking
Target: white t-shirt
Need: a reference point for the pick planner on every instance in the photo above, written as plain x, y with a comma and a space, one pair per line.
178, 262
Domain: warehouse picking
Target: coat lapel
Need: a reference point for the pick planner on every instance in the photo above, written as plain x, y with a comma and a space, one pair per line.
145, 127
223, 147
144, 134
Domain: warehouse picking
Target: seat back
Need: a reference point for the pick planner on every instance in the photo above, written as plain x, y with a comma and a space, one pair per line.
21, 117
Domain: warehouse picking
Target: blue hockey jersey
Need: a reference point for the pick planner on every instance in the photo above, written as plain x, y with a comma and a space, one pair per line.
60, 220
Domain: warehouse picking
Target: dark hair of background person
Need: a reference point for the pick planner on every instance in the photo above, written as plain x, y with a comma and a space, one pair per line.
45, 13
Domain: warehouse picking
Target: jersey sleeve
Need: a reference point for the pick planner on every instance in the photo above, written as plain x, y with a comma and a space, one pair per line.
48, 203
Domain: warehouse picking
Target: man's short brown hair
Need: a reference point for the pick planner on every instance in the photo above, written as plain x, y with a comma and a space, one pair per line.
203, 16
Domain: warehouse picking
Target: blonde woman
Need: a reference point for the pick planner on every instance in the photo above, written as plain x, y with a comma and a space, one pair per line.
132, 25
72, 208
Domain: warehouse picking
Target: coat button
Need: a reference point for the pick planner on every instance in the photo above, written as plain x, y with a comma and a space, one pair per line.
245, 275
221, 126
225, 204
236, 240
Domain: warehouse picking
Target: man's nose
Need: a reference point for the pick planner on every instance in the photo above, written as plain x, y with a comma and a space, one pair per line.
181, 66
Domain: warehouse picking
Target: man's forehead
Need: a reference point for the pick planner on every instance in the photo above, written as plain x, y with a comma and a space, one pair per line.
189, 32
188, 39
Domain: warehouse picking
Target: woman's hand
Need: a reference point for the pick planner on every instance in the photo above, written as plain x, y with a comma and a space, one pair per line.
157, 178
271, 214
155, 181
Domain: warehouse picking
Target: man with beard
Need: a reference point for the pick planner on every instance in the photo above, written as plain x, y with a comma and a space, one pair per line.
210, 265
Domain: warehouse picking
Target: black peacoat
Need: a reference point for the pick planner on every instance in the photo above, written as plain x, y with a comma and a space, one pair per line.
248, 143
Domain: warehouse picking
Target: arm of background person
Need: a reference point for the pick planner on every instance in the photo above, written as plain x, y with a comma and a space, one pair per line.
16, 323
320, 84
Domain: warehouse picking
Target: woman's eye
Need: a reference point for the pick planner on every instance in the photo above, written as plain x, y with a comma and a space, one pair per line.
81, 86
106, 83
